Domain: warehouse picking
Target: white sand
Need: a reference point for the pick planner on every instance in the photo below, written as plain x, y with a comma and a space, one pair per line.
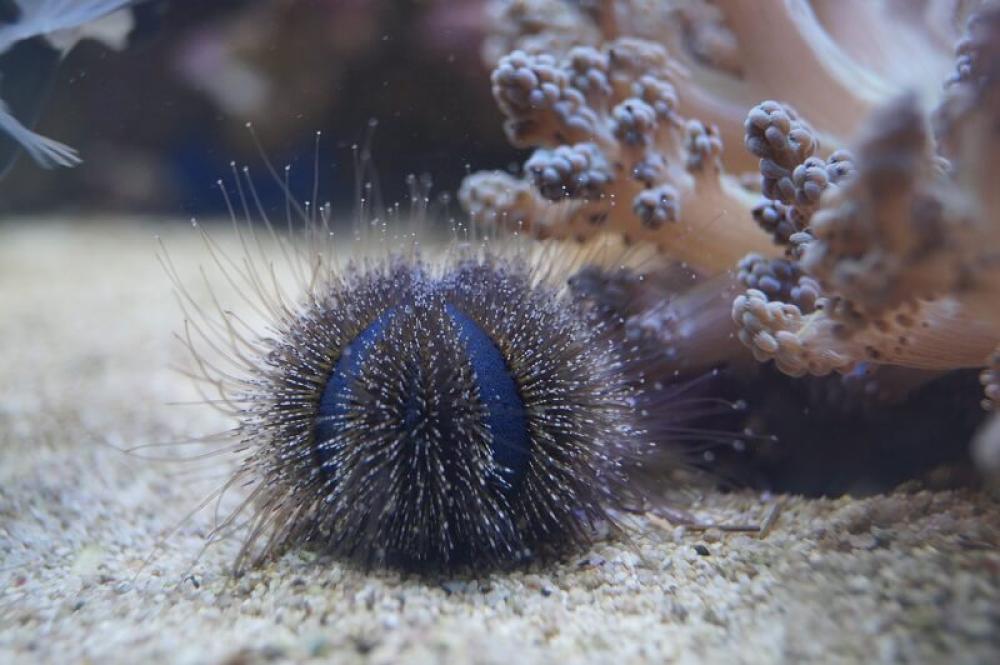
86, 316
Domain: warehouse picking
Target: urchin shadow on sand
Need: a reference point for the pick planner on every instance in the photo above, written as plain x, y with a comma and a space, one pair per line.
86, 320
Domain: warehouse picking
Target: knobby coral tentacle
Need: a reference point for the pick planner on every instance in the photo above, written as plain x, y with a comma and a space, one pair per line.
615, 155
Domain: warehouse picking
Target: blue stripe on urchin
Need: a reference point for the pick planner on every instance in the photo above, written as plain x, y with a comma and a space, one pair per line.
507, 419
333, 404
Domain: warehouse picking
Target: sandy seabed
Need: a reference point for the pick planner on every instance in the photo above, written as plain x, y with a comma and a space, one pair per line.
93, 570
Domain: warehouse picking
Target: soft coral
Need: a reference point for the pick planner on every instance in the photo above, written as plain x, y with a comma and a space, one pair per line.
890, 251
613, 154
906, 246
729, 54
896, 255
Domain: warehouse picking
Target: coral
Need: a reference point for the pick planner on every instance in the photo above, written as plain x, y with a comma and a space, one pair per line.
903, 269
880, 262
726, 55
637, 111
613, 154
902, 241
904, 245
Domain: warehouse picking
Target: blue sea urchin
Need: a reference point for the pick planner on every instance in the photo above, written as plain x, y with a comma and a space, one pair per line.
420, 417
421, 410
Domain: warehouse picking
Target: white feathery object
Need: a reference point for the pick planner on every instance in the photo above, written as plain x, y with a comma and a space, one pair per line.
43, 17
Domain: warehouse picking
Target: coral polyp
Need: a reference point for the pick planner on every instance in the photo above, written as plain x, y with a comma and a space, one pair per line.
614, 153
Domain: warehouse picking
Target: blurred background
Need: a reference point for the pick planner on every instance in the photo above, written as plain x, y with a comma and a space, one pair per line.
159, 122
